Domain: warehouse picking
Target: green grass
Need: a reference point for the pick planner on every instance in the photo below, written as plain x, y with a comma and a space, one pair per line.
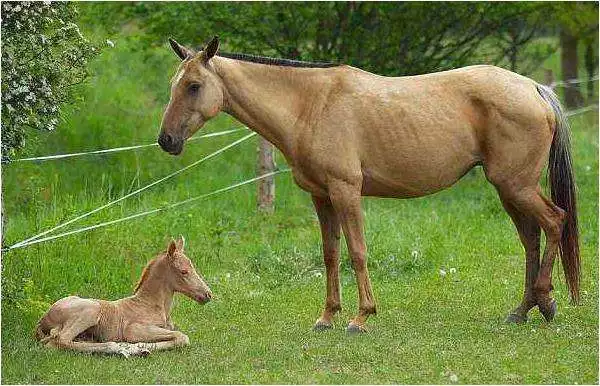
266, 270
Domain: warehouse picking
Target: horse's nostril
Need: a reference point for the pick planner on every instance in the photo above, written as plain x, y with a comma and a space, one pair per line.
165, 140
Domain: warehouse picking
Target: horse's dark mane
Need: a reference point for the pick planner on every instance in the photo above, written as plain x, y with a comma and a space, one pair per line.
276, 61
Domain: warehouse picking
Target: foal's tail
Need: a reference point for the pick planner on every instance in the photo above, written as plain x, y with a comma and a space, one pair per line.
39, 332
562, 190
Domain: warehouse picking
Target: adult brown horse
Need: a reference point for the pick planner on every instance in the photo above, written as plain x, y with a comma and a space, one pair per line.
347, 133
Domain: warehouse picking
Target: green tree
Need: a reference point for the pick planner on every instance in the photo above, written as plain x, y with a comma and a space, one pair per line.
43, 55
578, 23
391, 38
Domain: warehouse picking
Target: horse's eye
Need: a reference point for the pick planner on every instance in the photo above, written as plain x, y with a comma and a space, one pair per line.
193, 89
184, 271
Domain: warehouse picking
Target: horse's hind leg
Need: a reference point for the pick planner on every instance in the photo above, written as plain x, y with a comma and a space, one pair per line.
529, 233
531, 203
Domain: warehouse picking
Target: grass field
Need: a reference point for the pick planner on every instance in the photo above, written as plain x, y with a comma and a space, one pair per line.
266, 270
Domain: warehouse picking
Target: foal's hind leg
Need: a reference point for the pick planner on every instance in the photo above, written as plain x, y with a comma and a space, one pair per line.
529, 233
530, 202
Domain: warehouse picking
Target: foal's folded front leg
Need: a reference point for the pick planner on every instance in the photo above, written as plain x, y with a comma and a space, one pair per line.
151, 338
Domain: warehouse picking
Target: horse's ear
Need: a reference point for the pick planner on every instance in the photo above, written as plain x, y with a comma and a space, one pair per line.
180, 243
171, 250
211, 48
180, 50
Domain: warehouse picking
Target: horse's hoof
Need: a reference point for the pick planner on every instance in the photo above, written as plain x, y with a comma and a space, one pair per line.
516, 318
354, 328
322, 325
548, 310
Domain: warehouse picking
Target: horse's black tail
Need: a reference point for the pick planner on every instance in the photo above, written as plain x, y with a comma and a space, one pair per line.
562, 190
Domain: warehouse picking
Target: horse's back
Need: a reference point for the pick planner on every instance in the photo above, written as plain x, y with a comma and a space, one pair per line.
419, 134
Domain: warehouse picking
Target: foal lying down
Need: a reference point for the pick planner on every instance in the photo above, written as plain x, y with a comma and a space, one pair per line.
135, 325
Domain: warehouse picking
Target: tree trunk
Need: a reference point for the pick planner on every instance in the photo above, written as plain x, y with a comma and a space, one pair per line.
3, 225
548, 77
569, 61
590, 68
266, 186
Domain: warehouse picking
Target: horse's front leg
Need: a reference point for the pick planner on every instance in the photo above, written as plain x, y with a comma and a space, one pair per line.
330, 234
346, 198
150, 338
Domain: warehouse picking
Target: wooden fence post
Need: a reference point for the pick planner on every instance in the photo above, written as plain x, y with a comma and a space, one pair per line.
548, 77
266, 186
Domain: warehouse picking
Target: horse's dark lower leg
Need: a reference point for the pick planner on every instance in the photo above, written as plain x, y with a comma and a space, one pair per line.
346, 201
529, 233
543, 284
530, 202
330, 233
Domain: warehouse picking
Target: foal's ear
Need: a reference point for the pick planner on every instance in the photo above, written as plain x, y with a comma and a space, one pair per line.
211, 48
180, 50
180, 243
171, 250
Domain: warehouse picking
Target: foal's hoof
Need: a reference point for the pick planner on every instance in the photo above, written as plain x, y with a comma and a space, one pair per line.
144, 353
516, 318
322, 325
354, 328
548, 310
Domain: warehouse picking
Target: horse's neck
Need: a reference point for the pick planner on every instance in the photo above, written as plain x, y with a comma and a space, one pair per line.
269, 99
155, 292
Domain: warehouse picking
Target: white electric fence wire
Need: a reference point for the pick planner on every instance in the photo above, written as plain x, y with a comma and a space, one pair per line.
117, 149
135, 192
571, 82
581, 110
148, 212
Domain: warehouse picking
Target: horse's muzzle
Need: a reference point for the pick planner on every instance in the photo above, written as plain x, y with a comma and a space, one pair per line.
170, 144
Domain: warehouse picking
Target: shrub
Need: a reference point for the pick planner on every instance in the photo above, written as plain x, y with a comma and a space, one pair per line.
43, 55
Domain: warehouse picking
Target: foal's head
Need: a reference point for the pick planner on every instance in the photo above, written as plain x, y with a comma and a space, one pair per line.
196, 96
182, 275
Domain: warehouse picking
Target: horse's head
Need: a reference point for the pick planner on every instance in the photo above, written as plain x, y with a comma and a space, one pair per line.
182, 274
196, 96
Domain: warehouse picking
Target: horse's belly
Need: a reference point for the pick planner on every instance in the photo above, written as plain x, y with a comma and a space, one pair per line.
407, 180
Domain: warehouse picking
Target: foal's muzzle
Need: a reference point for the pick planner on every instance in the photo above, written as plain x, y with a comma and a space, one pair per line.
169, 144
203, 298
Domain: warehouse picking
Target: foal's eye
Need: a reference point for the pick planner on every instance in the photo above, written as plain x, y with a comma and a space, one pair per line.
184, 271
193, 89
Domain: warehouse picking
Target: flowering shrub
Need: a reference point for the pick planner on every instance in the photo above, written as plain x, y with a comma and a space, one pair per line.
43, 55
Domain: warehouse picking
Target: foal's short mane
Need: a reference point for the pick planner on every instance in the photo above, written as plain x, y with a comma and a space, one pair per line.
145, 274
276, 61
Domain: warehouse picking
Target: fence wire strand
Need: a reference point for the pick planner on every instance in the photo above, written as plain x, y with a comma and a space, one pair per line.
136, 191
146, 213
118, 149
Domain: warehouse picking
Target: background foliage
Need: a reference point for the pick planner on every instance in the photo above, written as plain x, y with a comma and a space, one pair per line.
43, 56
